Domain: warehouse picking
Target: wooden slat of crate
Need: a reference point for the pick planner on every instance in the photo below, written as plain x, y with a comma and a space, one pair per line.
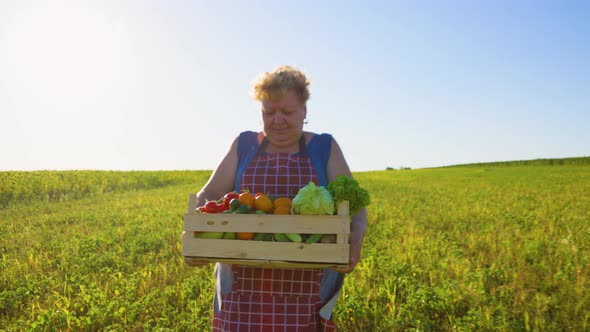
270, 264
260, 223
262, 250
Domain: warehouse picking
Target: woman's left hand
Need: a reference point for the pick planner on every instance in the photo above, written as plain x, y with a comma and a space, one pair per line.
356, 243
357, 233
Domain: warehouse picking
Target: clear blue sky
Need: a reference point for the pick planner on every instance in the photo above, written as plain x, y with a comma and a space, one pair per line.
163, 85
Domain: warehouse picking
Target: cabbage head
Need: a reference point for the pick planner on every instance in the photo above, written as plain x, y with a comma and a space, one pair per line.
312, 199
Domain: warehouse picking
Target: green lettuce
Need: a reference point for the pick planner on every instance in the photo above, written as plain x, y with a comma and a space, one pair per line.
313, 199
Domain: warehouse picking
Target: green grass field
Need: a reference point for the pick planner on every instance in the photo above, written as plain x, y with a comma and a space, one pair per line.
471, 248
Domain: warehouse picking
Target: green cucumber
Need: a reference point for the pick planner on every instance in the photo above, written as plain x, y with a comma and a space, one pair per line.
288, 237
313, 238
259, 237
243, 209
294, 237
280, 237
229, 235
209, 235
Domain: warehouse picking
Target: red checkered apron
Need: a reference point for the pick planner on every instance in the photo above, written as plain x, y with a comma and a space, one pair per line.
274, 299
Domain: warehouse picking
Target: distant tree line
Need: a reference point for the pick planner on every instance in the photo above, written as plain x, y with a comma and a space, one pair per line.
531, 162
401, 168
534, 162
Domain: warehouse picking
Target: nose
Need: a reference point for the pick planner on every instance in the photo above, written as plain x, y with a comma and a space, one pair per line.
278, 118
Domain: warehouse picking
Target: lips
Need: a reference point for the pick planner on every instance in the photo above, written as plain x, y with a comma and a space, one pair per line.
279, 131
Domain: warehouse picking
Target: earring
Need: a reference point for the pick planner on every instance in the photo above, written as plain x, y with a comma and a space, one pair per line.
305, 121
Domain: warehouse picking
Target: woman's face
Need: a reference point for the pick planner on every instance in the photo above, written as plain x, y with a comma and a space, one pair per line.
283, 120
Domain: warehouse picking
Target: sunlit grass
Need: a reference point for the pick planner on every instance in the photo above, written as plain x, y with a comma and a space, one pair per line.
475, 249
455, 249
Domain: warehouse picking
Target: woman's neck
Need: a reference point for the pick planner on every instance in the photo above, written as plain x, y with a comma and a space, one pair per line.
286, 148
293, 148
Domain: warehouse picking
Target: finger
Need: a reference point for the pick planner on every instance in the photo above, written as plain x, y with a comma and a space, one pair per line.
347, 269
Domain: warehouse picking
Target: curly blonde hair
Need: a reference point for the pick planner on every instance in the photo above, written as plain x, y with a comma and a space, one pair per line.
275, 84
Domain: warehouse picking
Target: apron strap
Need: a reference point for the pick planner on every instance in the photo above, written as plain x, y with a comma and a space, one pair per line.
302, 147
262, 147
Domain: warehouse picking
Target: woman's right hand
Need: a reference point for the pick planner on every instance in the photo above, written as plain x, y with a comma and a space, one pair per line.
195, 262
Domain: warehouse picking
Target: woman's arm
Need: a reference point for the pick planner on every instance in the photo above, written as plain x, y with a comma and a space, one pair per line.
220, 183
337, 166
223, 178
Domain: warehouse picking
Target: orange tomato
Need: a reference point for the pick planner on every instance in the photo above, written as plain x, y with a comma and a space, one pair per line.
282, 209
263, 203
245, 236
281, 201
246, 198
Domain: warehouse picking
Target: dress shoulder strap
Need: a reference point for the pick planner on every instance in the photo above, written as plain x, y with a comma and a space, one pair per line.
247, 147
318, 150
247, 140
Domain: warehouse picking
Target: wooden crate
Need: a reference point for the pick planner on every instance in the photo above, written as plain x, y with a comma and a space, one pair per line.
268, 253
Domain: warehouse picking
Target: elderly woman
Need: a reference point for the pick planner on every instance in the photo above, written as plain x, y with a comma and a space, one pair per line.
279, 161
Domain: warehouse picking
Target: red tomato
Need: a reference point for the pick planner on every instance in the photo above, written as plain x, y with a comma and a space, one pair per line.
228, 197
221, 207
210, 207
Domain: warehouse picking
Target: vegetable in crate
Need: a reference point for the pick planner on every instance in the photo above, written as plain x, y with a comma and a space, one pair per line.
284, 208
263, 203
312, 199
209, 235
227, 198
344, 188
229, 235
